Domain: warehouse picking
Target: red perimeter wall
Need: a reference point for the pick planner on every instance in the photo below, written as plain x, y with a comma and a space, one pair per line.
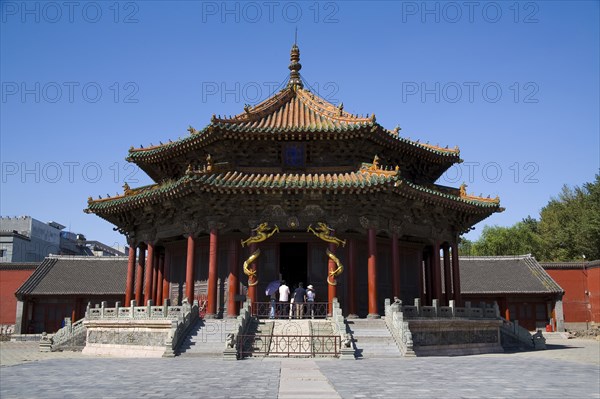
574, 282
594, 289
10, 281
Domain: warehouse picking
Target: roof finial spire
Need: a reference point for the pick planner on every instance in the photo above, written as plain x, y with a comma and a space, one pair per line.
295, 65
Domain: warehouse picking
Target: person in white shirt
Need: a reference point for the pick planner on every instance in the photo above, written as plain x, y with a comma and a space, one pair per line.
284, 296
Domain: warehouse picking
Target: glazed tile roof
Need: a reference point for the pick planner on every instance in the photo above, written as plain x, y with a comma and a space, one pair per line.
293, 110
367, 178
291, 114
505, 275
69, 275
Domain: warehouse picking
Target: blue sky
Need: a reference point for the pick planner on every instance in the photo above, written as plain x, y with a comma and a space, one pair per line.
514, 84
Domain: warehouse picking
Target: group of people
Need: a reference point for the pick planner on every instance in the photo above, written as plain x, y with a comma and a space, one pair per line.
297, 300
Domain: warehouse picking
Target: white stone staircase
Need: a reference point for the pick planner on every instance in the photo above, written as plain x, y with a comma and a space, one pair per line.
207, 338
372, 339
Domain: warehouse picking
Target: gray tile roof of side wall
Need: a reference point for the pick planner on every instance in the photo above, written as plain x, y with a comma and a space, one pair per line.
504, 275
65, 275
571, 265
19, 265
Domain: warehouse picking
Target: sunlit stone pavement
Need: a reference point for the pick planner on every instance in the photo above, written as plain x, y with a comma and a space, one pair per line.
568, 369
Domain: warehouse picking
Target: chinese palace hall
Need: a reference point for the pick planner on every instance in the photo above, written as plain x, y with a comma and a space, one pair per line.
293, 188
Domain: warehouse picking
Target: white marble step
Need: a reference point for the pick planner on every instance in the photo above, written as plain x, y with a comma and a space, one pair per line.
373, 339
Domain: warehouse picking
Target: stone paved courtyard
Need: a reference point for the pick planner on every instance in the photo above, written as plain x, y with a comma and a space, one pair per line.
569, 369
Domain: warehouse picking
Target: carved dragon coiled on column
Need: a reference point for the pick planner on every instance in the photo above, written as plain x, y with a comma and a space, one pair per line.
252, 280
324, 233
334, 273
260, 236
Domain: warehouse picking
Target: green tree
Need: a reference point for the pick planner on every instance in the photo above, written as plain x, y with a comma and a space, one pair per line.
569, 227
520, 238
465, 247
570, 224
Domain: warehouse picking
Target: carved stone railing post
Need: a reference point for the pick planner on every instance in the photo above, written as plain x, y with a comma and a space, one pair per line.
418, 306
497, 309
149, 308
165, 307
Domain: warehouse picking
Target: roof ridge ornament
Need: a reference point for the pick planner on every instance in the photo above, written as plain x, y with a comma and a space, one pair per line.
374, 168
294, 68
462, 190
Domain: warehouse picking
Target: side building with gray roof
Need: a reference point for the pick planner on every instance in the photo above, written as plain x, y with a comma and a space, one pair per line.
62, 286
523, 289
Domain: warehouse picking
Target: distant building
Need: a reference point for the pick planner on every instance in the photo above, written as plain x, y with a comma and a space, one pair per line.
581, 281
25, 239
523, 290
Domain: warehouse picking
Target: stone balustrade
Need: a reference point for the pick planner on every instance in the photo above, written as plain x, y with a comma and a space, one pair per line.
242, 321
72, 334
138, 331
339, 324
514, 330
150, 311
450, 330
484, 311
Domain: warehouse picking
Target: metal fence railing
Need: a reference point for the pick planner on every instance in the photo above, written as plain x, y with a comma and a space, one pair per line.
287, 310
288, 345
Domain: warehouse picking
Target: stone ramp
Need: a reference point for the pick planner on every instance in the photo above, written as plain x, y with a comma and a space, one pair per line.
372, 339
207, 338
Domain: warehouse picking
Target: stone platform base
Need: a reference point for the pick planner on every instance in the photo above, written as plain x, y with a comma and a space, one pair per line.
455, 337
458, 350
127, 338
123, 350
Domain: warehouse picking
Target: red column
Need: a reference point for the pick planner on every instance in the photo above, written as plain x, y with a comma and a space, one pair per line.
395, 266
331, 289
166, 277
447, 274
421, 279
155, 277
148, 274
189, 269
372, 277
428, 277
252, 288
139, 275
130, 276
352, 278
456, 274
233, 281
159, 278
437, 272
211, 308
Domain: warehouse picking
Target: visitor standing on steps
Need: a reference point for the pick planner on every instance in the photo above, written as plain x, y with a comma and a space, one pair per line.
310, 300
284, 296
299, 299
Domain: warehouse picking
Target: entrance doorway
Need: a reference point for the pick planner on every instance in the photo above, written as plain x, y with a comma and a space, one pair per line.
293, 263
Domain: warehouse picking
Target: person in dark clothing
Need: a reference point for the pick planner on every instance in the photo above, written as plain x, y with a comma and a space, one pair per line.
299, 299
